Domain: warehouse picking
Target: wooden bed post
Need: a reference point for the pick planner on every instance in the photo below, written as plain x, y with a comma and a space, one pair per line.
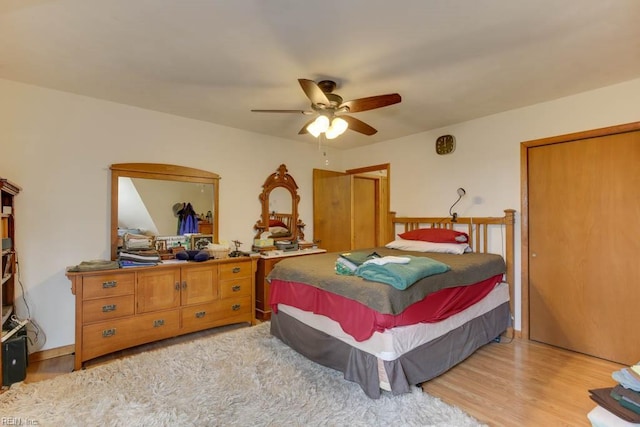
509, 220
391, 227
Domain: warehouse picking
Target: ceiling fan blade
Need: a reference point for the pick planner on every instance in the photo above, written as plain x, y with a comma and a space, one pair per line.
306, 113
314, 93
359, 125
370, 103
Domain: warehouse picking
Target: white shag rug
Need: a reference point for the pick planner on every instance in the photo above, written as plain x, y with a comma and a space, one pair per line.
243, 377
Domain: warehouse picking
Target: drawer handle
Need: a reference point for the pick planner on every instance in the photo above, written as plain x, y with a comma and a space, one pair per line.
158, 323
108, 333
236, 269
236, 288
108, 308
235, 307
200, 314
109, 284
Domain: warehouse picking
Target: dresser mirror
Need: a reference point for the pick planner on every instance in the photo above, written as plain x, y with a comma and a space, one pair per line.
279, 198
146, 198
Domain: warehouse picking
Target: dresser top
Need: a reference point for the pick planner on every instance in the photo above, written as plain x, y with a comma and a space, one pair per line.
282, 254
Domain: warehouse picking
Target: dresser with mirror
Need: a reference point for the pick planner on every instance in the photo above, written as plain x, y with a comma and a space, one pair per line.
279, 232
126, 307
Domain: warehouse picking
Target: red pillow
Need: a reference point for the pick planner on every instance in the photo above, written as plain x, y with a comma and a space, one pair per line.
436, 235
277, 223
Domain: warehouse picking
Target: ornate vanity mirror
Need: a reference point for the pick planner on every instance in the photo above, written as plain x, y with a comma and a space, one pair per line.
147, 198
279, 220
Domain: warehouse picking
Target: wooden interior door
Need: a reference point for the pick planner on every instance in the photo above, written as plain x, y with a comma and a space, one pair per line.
332, 210
365, 218
583, 245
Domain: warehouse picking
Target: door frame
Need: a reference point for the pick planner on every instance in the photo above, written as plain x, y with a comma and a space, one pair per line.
383, 209
524, 200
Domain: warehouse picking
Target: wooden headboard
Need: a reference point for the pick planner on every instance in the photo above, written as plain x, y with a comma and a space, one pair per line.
478, 229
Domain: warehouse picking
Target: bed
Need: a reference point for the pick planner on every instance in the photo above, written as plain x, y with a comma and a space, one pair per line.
390, 338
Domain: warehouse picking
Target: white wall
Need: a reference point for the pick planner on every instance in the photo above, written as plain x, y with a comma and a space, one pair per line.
58, 147
486, 162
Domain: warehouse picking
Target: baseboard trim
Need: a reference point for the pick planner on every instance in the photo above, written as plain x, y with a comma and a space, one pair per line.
52, 353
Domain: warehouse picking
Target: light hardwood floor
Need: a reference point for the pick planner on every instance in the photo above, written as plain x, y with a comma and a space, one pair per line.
516, 383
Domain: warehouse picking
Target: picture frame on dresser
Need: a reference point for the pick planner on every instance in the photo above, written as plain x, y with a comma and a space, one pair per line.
200, 241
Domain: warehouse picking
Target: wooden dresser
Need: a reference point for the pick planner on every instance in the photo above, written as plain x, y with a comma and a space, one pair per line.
117, 309
266, 262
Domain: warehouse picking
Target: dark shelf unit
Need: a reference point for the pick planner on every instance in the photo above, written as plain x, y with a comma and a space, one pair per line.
8, 192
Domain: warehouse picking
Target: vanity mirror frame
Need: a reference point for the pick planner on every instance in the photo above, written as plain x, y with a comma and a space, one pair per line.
280, 179
164, 172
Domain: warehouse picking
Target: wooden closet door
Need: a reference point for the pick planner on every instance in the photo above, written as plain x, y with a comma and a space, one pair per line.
584, 245
332, 210
365, 202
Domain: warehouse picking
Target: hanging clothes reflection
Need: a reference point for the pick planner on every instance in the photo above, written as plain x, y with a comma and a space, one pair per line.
187, 220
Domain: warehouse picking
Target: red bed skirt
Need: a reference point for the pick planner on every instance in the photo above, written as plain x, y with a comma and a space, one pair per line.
361, 322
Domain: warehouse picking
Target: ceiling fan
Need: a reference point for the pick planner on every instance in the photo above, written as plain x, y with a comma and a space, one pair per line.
332, 119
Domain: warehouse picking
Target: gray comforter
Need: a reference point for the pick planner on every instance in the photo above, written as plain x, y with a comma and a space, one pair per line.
319, 271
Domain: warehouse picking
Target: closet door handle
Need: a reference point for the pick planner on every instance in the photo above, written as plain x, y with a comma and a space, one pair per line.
184, 284
177, 286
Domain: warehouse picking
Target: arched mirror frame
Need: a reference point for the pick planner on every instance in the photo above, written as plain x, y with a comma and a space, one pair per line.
280, 179
164, 172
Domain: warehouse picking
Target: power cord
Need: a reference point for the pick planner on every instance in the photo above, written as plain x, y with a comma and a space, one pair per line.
38, 334
503, 339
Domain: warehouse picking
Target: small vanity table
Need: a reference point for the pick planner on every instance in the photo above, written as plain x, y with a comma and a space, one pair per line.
278, 222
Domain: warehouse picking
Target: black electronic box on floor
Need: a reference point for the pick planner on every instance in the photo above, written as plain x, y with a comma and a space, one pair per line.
14, 358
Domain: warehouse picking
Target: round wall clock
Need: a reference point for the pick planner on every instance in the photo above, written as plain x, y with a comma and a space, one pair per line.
445, 144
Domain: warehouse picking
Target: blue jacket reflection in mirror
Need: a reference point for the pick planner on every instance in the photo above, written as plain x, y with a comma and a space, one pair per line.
187, 220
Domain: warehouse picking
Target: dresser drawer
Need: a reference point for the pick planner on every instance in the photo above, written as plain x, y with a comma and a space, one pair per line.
240, 287
106, 337
107, 308
235, 270
107, 285
207, 315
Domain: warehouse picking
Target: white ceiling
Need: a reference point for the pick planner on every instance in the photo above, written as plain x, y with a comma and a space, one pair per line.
215, 60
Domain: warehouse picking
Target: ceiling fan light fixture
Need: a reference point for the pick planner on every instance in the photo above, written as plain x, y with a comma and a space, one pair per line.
337, 128
313, 130
319, 125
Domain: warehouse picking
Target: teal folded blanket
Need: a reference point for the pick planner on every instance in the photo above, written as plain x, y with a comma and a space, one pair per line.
401, 276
